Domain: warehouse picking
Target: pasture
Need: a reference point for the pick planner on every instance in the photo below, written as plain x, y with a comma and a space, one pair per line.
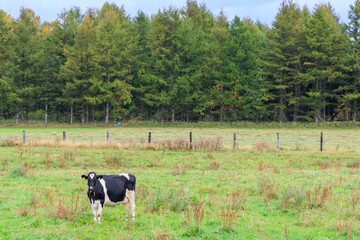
253, 192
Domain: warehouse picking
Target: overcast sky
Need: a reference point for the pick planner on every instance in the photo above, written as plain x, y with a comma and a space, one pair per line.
264, 10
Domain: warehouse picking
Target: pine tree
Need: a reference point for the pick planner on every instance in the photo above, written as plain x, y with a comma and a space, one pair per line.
79, 67
197, 23
352, 92
114, 53
141, 108
215, 67
246, 91
323, 60
64, 32
23, 66
166, 66
282, 62
6, 93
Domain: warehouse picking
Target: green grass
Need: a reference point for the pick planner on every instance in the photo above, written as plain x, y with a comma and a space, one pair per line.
294, 193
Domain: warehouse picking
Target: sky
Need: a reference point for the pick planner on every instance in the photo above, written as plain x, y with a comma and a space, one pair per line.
263, 10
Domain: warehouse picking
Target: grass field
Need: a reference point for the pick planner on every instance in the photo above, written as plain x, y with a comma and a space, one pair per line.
254, 192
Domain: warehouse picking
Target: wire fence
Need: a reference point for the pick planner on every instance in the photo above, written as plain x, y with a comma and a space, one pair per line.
190, 139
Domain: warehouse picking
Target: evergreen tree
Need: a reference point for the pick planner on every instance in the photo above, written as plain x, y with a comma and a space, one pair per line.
6, 99
198, 22
79, 67
282, 61
323, 60
141, 107
50, 86
165, 46
215, 67
247, 90
64, 32
24, 69
352, 91
114, 53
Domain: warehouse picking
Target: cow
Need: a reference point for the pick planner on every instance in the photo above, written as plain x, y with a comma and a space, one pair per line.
111, 190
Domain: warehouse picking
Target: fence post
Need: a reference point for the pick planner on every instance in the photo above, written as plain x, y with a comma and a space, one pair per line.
64, 135
234, 142
149, 141
321, 141
107, 137
191, 146
24, 137
277, 141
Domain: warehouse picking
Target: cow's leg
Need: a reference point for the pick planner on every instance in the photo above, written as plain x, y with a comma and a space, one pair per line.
131, 196
127, 207
99, 213
94, 208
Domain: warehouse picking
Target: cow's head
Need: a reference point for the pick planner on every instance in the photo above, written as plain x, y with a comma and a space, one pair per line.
92, 179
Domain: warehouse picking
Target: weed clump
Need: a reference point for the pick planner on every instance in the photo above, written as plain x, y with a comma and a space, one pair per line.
19, 170
353, 164
195, 213
262, 146
175, 201
294, 198
268, 187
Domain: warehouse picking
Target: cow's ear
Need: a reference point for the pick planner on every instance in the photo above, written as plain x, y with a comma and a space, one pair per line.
99, 177
84, 177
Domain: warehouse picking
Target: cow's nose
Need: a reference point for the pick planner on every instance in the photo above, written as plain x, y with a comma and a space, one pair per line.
91, 188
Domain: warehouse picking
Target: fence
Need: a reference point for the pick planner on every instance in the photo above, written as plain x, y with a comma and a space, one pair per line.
192, 139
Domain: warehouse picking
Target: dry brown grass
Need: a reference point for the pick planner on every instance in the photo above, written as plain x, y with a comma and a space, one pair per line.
55, 205
263, 146
324, 165
4, 164
62, 163
195, 213
142, 191
178, 169
268, 187
176, 144
353, 164
318, 197
208, 144
228, 218
160, 234
214, 165
147, 146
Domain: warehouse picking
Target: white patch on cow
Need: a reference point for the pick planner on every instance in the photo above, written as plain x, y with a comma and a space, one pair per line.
91, 175
107, 199
125, 175
96, 209
130, 194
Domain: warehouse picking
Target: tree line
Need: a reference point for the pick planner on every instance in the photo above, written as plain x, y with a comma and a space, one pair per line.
180, 65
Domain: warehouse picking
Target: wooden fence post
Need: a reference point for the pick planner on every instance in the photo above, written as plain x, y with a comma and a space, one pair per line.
191, 146
277, 141
107, 137
64, 135
234, 142
321, 141
24, 137
149, 141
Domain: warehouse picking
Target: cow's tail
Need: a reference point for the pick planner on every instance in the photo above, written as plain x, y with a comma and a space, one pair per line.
131, 182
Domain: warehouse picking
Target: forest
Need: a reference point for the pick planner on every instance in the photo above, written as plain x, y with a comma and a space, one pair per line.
182, 64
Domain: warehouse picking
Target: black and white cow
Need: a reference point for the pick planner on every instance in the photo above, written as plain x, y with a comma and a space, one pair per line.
111, 190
